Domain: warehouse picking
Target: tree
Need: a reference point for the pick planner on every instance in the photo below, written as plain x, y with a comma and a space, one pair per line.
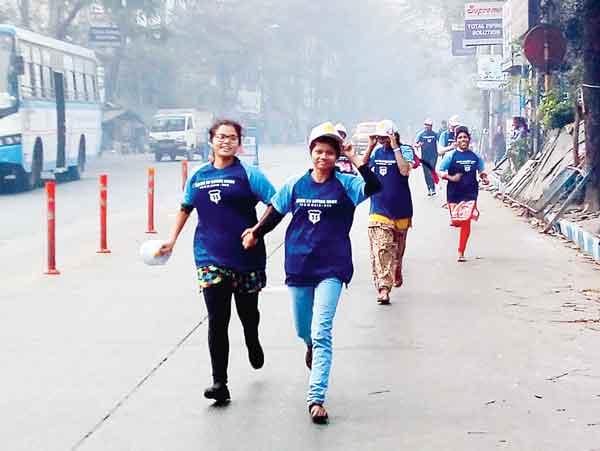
591, 92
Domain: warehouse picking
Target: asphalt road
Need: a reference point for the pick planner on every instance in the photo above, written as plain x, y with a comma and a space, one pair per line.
112, 354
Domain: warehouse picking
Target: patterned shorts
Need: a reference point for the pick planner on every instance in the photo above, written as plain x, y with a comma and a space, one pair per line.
462, 212
244, 282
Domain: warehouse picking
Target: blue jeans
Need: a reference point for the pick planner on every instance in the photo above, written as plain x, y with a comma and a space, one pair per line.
314, 310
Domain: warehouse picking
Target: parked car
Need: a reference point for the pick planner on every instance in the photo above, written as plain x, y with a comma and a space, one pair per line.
360, 136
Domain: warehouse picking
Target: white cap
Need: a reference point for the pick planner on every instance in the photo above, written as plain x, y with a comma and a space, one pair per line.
385, 128
341, 129
428, 122
150, 255
453, 120
322, 130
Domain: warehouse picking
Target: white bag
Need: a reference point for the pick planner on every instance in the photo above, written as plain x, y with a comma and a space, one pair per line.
149, 253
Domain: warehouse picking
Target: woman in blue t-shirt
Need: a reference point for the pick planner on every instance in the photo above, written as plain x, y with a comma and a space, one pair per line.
322, 203
225, 193
460, 168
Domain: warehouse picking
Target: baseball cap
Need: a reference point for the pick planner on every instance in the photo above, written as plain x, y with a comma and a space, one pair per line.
428, 122
453, 120
385, 128
326, 129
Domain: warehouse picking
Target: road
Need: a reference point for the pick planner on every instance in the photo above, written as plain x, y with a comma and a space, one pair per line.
112, 354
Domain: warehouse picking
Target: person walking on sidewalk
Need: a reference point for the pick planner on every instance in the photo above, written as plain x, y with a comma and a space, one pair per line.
460, 168
426, 141
225, 193
391, 209
318, 254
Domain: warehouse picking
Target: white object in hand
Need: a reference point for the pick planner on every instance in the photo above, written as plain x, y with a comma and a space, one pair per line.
150, 255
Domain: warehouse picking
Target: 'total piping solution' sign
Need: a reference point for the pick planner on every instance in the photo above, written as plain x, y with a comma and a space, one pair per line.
483, 23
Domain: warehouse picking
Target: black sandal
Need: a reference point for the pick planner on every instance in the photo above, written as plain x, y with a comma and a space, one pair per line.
317, 419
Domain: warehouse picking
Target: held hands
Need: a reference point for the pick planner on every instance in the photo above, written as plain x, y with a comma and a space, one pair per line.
249, 239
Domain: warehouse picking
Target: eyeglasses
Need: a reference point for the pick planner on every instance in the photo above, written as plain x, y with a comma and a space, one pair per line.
221, 137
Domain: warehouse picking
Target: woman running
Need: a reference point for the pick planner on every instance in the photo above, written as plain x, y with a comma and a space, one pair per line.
460, 168
322, 203
225, 193
391, 210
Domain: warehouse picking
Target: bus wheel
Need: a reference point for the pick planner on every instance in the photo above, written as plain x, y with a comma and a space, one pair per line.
75, 172
173, 156
190, 154
157, 155
33, 179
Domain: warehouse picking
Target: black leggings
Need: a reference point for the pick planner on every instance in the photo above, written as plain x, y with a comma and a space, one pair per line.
218, 304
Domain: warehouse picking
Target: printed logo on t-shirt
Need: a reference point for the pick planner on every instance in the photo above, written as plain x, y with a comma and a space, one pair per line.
314, 216
215, 196
382, 170
429, 140
468, 168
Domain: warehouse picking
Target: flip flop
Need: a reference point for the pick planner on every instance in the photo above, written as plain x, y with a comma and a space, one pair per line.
317, 419
461, 259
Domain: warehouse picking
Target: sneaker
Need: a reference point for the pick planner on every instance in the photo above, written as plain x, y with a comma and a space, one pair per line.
218, 391
256, 356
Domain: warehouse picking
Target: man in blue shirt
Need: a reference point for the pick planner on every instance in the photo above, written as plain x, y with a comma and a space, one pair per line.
426, 140
447, 138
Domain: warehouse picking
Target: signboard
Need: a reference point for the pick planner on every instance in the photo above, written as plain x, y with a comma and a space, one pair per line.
458, 42
489, 72
483, 23
109, 36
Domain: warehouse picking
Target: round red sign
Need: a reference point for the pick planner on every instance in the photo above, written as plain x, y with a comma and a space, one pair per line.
545, 46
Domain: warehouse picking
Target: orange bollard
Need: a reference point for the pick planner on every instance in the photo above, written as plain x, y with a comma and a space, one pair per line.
184, 174
103, 207
151, 201
51, 196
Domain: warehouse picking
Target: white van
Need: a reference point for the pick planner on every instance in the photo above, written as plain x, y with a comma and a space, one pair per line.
178, 132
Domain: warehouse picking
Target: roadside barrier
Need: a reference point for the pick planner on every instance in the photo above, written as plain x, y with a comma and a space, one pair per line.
51, 200
103, 207
184, 174
151, 201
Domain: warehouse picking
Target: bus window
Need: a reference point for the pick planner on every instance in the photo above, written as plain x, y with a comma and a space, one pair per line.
26, 84
80, 86
69, 78
47, 79
36, 72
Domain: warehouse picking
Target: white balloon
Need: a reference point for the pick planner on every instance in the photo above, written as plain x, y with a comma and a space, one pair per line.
149, 253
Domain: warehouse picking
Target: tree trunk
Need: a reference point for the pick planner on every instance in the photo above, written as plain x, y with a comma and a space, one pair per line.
591, 94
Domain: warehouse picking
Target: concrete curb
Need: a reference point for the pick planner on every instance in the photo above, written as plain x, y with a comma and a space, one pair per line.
587, 242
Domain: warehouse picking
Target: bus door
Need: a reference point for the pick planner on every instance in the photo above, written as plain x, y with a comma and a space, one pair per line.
59, 90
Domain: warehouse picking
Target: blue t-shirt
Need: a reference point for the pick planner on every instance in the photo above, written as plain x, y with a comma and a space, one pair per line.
428, 139
225, 200
466, 163
446, 138
394, 200
317, 241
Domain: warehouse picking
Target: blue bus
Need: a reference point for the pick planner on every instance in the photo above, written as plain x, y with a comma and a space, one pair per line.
50, 109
